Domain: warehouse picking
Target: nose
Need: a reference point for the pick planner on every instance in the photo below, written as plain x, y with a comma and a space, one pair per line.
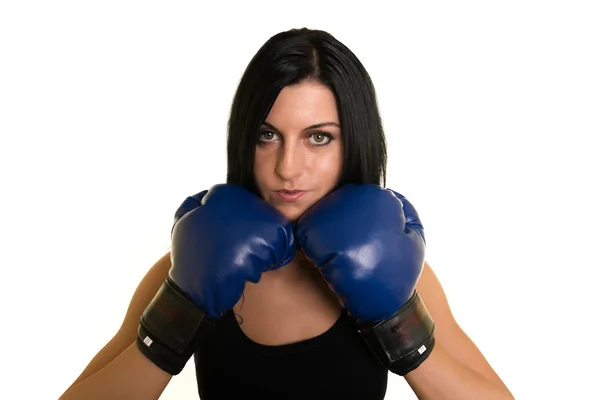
290, 161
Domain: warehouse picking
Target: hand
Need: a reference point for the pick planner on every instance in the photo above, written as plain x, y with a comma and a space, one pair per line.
366, 248
369, 245
221, 239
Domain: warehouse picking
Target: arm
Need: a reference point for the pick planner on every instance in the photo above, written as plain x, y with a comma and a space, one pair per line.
455, 369
129, 376
119, 370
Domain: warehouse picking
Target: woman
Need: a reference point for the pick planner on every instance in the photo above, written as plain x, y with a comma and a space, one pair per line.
240, 290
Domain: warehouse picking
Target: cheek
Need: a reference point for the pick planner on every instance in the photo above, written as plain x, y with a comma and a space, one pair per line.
328, 166
264, 166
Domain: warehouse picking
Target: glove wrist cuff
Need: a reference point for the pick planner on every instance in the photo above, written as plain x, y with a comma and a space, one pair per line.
405, 340
171, 328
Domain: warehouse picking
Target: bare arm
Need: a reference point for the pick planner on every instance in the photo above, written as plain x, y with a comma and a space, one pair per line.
120, 370
455, 369
129, 376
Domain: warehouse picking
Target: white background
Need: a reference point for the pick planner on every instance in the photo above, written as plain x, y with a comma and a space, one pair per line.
112, 112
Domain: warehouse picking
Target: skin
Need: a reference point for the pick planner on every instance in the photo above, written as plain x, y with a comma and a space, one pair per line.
293, 303
299, 148
291, 155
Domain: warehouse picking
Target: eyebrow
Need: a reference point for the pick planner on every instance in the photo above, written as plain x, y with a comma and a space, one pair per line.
315, 126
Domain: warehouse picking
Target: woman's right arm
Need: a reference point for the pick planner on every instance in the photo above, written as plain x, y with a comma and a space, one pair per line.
120, 370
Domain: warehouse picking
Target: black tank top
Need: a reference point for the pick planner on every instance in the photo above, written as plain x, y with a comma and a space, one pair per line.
334, 365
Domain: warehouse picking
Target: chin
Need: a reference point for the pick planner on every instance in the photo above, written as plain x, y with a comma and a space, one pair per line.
292, 213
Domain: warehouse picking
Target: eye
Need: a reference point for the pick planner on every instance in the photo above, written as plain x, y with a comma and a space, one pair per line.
321, 138
266, 135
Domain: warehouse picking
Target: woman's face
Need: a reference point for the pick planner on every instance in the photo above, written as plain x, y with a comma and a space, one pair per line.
299, 150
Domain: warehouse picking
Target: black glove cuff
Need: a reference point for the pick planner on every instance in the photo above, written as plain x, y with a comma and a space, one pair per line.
405, 340
171, 328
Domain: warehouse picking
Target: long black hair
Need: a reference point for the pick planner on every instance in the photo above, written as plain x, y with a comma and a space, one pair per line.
296, 56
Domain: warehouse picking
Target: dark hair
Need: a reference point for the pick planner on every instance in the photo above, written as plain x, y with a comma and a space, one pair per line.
296, 56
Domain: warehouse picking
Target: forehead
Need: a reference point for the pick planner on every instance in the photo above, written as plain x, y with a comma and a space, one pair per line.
303, 104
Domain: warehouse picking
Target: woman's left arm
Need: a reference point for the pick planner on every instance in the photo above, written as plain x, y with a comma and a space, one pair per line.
456, 368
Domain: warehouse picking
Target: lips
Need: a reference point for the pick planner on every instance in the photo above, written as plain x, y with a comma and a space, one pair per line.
289, 196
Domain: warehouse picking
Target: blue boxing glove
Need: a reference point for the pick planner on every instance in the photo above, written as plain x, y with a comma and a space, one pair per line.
369, 245
221, 239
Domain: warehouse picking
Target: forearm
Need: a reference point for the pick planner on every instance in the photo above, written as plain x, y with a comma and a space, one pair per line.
441, 377
129, 376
